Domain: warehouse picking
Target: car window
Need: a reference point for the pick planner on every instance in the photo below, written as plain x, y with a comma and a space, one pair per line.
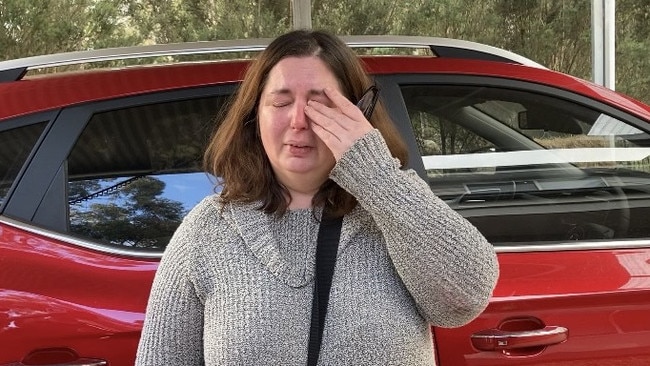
15, 145
525, 167
135, 172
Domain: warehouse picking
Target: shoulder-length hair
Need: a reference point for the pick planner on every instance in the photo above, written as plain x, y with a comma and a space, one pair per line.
235, 153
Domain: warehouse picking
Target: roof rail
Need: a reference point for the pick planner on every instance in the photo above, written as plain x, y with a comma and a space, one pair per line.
441, 47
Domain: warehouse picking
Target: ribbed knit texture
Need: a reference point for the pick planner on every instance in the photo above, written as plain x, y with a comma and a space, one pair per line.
235, 285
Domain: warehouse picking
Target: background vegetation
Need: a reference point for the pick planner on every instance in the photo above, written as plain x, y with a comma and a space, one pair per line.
555, 33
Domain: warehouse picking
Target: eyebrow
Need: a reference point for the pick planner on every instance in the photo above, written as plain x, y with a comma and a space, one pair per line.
312, 92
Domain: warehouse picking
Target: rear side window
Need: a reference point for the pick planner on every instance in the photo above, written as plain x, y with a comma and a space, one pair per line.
135, 172
15, 146
531, 168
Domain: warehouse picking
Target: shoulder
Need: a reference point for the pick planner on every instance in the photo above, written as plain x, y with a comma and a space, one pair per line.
213, 222
199, 226
208, 211
200, 241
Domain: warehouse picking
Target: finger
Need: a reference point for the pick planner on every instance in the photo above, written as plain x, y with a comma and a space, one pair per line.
344, 104
345, 128
326, 135
332, 141
331, 130
328, 118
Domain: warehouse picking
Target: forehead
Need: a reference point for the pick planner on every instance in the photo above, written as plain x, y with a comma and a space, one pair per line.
292, 73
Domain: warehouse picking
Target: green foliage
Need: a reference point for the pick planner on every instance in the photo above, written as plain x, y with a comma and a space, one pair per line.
168, 21
51, 26
633, 48
555, 33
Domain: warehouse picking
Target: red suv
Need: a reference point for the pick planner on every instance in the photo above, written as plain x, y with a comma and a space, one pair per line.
98, 167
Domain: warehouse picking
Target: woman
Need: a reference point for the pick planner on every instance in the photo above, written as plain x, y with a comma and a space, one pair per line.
236, 283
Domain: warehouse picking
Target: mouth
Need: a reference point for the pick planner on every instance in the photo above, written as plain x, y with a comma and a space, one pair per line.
298, 148
299, 143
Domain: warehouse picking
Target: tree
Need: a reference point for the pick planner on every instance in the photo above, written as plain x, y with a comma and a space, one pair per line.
169, 21
633, 48
135, 215
553, 33
51, 26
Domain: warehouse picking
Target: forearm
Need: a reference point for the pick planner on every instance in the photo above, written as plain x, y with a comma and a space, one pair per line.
444, 261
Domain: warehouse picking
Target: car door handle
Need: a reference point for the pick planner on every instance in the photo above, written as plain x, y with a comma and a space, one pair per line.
499, 340
61, 356
85, 362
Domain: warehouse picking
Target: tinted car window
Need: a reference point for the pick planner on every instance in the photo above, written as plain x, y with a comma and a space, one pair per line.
135, 172
15, 146
525, 167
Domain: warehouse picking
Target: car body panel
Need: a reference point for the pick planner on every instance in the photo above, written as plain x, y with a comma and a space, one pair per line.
41, 93
57, 296
600, 296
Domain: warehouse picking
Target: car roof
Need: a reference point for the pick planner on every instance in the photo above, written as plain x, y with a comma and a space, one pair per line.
441, 47
50, 91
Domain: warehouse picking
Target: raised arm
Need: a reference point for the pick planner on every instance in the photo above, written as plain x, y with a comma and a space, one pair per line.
448, 267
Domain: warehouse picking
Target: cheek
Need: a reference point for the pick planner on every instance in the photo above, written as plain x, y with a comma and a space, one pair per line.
271, 128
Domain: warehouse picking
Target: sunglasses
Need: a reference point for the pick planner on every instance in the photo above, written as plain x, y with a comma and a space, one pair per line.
368, 101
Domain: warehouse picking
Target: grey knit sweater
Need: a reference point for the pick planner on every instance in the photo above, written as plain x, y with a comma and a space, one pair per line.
235, 285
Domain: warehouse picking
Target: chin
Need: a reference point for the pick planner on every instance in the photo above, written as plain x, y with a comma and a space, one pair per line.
312, 168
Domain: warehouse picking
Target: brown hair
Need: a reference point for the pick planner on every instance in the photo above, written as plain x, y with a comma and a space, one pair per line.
235, 153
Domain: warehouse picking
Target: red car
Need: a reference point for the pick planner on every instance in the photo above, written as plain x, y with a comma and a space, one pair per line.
98, 167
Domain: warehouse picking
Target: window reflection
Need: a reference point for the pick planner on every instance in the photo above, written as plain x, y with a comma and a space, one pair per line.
135, 172
139, 211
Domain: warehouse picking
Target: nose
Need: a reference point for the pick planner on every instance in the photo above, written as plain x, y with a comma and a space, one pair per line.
299, 120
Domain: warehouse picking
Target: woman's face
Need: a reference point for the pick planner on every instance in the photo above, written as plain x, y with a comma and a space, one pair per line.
300, 160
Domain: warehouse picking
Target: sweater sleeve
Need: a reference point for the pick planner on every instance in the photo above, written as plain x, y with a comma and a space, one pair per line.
445, 263
173, 327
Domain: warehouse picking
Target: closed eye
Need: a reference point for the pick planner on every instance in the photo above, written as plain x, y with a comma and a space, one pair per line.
281, 104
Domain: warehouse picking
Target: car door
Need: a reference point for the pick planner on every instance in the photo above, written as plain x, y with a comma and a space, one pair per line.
560, 184
88, 217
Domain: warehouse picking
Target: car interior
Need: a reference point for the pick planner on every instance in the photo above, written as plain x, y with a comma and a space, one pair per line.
510, 161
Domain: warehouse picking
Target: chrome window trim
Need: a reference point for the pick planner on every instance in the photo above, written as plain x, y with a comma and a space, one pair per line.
104, 248
574, 246
248, 45
519, 248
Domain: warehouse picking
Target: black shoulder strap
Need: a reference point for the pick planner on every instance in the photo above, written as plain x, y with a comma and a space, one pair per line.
329, 233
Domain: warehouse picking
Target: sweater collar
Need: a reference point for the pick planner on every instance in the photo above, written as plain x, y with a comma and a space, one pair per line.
254, 227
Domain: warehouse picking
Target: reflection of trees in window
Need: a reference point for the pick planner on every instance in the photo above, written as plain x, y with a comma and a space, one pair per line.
439, 136
3, 192
584, 141
135, 215
426, 138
